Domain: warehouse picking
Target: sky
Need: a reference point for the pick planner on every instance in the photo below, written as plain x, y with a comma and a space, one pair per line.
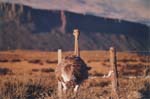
131, 10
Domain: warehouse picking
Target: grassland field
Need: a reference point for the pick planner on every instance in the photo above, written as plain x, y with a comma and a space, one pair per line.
30, 75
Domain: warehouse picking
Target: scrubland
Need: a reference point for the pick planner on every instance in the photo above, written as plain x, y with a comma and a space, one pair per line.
30, 75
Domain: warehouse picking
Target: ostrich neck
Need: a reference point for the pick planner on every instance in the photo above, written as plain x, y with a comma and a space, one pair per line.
76, 48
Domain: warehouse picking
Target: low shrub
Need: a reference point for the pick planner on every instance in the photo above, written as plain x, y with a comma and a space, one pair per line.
5, 71
35, 70
3, 60
16, 60
51, 61
47, 70
35, 61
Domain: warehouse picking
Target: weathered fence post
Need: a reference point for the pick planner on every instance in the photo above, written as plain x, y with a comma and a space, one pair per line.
59, 83
59, 55
114, 76
76, 34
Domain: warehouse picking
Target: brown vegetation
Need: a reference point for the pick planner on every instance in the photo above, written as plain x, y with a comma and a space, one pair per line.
23, 77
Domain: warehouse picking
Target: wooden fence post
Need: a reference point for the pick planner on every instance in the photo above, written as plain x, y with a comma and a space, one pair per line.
59, 55
59, 83
114, 76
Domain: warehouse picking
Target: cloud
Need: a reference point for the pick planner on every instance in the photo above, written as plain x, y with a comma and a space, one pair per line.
132, 10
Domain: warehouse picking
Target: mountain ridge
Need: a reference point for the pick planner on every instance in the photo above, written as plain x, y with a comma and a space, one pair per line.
50, 30
131, 10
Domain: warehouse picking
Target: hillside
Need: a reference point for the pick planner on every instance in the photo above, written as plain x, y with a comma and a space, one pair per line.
22, 27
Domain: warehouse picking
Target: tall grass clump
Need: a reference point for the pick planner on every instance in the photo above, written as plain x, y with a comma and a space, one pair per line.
17, 88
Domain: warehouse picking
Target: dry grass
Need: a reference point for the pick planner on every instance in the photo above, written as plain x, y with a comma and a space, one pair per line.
22, 76
30, 87
15, 87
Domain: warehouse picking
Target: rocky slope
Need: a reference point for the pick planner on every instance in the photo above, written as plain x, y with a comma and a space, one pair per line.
22, 27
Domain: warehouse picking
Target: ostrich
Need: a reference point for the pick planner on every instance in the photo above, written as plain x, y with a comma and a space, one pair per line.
71, 71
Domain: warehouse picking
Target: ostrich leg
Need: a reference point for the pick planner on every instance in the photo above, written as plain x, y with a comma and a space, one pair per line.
76, 34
